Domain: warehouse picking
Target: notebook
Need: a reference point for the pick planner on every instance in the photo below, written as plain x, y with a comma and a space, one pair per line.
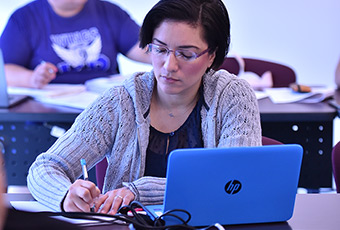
238, 185
7, 100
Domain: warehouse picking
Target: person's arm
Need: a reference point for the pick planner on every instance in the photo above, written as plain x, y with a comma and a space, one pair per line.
241, 124
54, 172
138, 54
148, 190
20, 76
337, 75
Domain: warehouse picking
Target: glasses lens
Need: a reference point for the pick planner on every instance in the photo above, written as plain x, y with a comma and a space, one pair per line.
158, 50
186, 55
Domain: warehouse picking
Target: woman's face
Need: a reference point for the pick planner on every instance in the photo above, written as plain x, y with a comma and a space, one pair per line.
176, 75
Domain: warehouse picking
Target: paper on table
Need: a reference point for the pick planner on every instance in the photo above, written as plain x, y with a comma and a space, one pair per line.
101, 84
260, 94
79, 100
287, 95
50, 90
35, 206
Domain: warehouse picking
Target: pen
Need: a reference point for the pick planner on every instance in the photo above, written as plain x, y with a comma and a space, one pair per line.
83, 167
49, 69
85, 175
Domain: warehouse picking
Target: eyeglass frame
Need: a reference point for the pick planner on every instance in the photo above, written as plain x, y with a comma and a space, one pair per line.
168, 51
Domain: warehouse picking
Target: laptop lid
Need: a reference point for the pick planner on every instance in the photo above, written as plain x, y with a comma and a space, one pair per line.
238, 185
5, 99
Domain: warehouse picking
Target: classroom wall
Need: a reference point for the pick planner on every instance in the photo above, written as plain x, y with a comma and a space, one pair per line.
303, 34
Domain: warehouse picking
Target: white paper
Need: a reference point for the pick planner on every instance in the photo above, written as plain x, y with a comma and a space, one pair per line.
287, 95
99, 85
260, 94
50, 90
30, 206
78, 100
35, 206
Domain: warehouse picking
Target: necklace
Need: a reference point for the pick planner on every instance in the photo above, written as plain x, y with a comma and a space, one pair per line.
190, 107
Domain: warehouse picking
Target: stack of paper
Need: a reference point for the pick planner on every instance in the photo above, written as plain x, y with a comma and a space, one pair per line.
69, 95
287, 95
99, 85
50, 90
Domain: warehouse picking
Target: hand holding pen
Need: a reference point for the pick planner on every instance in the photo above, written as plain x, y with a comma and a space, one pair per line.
81, 195
43, 74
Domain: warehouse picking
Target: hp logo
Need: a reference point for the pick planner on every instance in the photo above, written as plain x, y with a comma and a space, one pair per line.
233, 186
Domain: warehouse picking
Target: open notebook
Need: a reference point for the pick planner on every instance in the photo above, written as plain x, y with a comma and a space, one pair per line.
7, 100
238, 185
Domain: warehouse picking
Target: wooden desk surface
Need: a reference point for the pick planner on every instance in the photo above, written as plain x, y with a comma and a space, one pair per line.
31, 110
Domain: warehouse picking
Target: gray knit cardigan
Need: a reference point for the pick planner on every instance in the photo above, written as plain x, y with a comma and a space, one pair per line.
116, 126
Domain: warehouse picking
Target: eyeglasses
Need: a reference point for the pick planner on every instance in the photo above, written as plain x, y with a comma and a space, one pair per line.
180, 54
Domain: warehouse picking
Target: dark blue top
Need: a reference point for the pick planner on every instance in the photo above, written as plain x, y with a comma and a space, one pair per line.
83, 47
189, 135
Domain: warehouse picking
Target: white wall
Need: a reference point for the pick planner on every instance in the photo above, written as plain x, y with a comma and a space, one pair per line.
304, 34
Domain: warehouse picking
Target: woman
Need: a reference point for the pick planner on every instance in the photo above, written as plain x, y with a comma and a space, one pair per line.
182, 103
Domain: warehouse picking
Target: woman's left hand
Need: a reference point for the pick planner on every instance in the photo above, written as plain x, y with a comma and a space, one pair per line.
111, 201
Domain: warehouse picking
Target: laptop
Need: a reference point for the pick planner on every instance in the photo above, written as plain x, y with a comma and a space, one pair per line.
238, 185
7, 100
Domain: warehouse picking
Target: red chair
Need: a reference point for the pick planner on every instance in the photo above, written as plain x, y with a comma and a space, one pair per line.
270, 141
336, 165
282, 74
100, 173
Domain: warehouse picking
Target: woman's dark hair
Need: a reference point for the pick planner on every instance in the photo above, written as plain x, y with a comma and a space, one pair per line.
212, 15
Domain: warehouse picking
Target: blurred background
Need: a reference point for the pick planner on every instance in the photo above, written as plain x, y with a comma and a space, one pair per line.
304, 35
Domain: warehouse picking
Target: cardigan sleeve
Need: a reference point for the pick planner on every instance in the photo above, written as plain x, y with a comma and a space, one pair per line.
90, 137
148, 190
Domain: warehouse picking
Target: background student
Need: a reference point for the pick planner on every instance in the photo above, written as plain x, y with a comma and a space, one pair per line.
67, 42
337, 75
182, 103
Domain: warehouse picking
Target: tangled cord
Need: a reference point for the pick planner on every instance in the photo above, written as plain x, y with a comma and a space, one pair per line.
140, 221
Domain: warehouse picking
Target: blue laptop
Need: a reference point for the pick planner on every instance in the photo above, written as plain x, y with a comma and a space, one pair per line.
238, 185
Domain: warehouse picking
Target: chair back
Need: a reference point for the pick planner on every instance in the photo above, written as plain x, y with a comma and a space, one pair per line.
100, 173
270, 141
336, 165
282, 75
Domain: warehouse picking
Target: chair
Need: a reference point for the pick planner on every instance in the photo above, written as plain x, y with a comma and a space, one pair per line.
102, 165
270, 141
100, 173
282, 74
336, 165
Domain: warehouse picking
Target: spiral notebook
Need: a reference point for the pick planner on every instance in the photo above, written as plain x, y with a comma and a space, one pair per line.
7, 100
239, 185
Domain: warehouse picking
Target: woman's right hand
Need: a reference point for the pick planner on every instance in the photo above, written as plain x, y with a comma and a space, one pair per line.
81, 196
43, 74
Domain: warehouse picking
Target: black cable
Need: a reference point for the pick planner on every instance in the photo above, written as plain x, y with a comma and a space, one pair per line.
138, 220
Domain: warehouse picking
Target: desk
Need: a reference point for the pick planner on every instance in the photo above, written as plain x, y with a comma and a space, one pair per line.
311, 212
310, 125
25, 130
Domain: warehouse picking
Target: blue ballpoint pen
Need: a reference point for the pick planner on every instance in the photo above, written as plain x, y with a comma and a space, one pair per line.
85, 175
